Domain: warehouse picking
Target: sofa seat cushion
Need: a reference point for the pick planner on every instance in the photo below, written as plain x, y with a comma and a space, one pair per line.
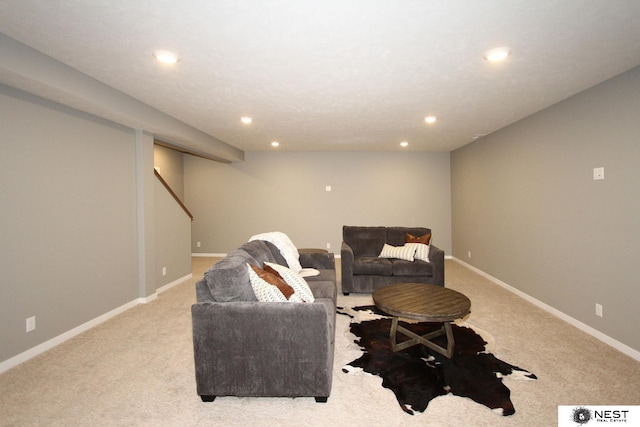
325, 289
373, 265
411, 268
325, 275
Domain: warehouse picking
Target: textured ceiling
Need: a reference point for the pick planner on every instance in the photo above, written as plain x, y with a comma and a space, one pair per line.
338, 75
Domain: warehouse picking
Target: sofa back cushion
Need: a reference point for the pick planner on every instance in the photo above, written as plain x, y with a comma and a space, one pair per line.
365, 241
228, 279
396, 235
259, 251
275, 252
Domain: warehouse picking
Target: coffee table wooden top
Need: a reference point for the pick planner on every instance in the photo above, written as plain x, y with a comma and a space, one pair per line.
419, 301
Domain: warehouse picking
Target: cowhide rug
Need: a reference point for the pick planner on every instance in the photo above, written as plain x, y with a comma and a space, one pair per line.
417, 375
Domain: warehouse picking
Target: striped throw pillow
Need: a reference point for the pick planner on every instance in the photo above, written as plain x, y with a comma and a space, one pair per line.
405, 252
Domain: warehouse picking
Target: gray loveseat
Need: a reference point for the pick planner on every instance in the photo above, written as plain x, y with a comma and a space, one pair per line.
364, 271
243, 347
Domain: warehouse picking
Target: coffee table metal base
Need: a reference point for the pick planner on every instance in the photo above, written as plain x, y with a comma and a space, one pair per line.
422, 339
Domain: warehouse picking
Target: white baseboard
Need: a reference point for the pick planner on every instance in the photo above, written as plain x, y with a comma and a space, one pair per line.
48, 345
203, 254
635, 354
148, 299
220, 255
154, 296
174, 283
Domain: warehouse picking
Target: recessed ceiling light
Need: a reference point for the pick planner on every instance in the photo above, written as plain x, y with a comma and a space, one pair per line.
404, 144
246, 120
166, 57
497, 54
275, 144
430, 119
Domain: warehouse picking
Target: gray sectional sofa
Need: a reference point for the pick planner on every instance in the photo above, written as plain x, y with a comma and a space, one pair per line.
243, 347
363, 270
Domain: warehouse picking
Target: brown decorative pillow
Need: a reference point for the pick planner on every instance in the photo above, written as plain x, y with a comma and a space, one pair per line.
410, 238
272, 277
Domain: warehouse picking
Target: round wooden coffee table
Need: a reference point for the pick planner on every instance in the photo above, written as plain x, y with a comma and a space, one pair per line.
425, 303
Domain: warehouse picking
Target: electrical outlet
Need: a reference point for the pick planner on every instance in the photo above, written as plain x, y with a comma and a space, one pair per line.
198, 244
164, 271
328, 245
327, 188
469, 254
598, 173
598, 310
31, 323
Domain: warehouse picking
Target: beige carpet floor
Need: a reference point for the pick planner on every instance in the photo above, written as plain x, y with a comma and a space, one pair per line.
137, 370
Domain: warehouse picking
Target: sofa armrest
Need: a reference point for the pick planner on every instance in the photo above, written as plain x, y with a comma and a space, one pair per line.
346, 264
436, 257
318, 260
324, 289
263, 348
346, 253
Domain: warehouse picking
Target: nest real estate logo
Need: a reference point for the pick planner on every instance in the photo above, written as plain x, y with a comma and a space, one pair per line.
592, 415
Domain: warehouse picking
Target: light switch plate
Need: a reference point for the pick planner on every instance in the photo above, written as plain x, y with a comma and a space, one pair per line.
598, 310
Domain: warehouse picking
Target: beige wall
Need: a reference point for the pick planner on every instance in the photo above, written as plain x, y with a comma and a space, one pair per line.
284, 191
81, 236
525, 204
169, 162
172, 224
172, 238
68, 222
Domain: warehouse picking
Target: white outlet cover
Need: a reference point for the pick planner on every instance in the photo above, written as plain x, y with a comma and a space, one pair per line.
598, 173
327, 188
31, 324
